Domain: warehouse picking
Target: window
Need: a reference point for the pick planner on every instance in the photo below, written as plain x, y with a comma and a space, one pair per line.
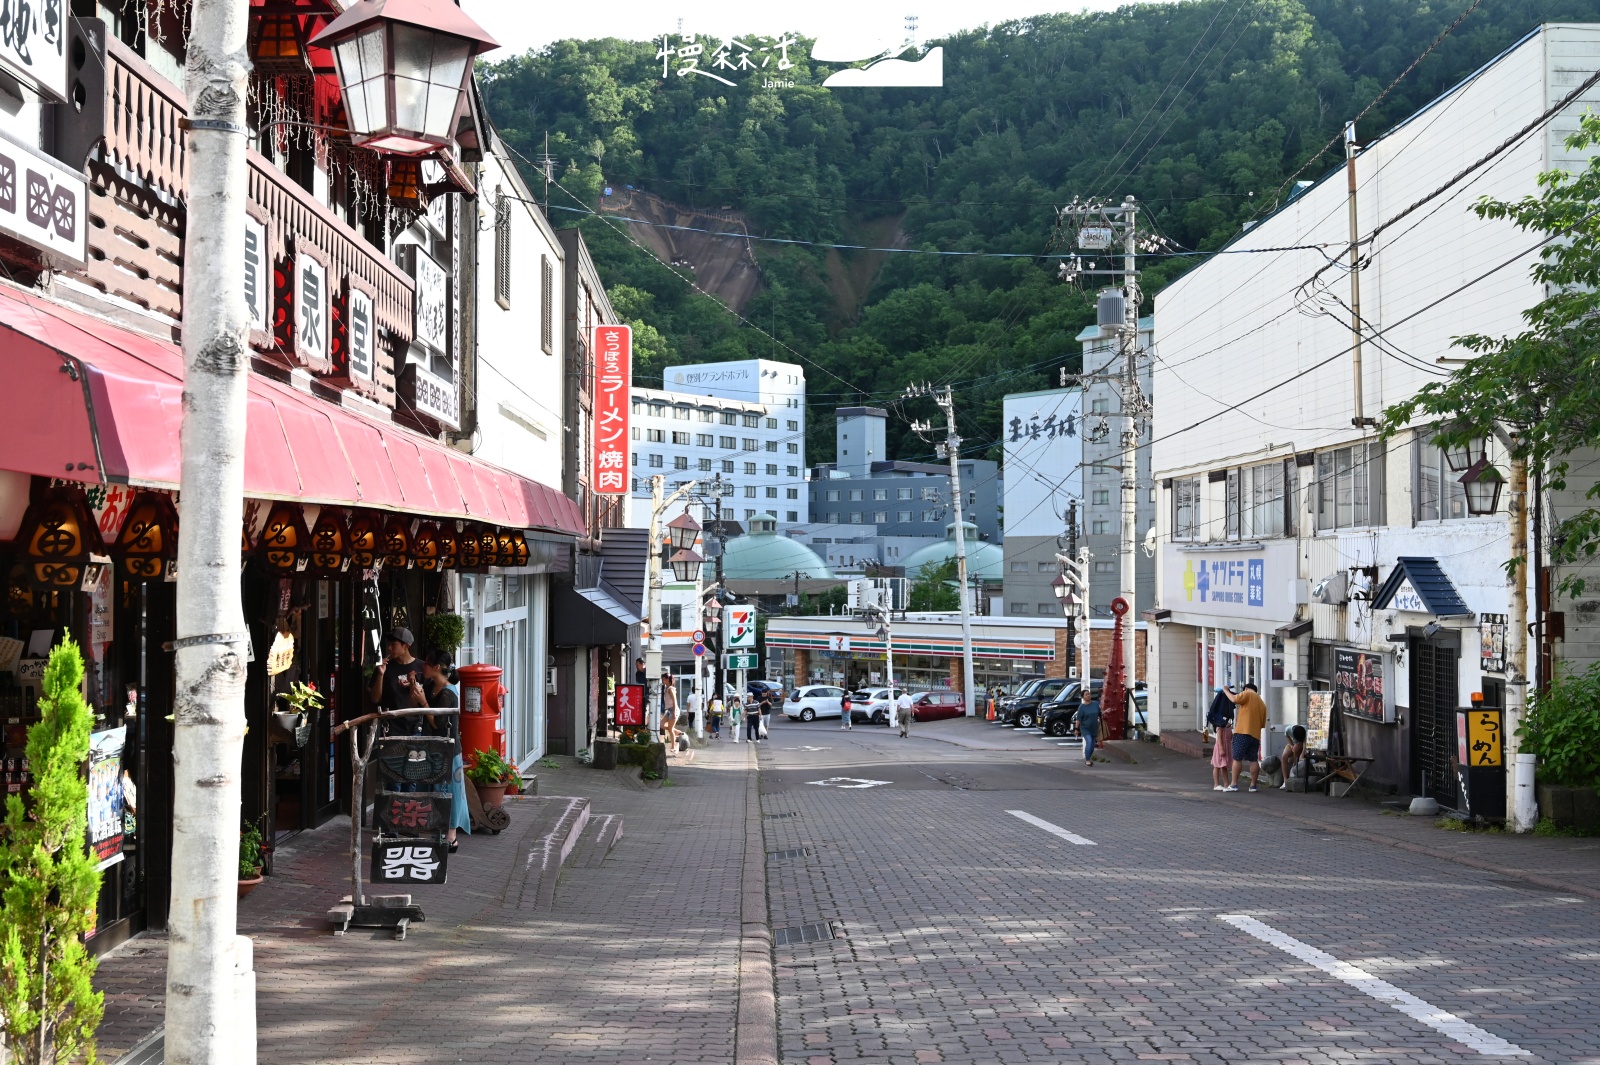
680, 438
793, 425
1019, 567
635, 458
727, 467
704, 440
727, 443
1100, 406
729, 418
856, 495
1017, 608
1235, 506
793, 449
751, 421
680, 414
671, 616
792, 493
655, 462
929, 516
833, 495
636, 432
794, 471
772, 423
1186, 508
1350, 487
855, 517
705, 413
902, 515
772, 493
879, 517
1437, 489
749, 491
727, 513
972, 498
772, 469
703, 465
656, 436
1266, 504
880, 493
638, 406
1105, 567
658, 410
1100, 497
502, 250
1044, 567
547, 305
794, 515
930, 495
1046, 609
902, 493
772, 446
636, 481
748, 514
750, 468
679, 462
1100, 528
752, 444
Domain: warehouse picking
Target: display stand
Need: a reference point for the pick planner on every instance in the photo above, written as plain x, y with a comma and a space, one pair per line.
418, 856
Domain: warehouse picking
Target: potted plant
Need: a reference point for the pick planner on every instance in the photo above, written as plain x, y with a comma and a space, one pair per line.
249, 858
295, 703
492, 775
1562, 729
444, 631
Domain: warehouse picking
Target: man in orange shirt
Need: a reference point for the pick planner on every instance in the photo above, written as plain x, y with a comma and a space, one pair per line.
1250, 718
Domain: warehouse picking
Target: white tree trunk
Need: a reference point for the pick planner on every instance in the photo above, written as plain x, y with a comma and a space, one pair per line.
208, 738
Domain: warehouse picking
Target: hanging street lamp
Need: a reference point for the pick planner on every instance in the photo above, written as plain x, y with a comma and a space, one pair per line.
1462, 457
403, 67
685, 564
683, 531
1483, 483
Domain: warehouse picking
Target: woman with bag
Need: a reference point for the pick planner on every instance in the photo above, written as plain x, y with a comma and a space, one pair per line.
1220, 719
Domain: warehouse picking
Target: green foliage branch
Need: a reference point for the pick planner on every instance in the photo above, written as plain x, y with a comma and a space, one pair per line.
1561, 727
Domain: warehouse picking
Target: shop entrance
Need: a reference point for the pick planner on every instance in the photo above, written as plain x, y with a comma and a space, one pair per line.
1434, 701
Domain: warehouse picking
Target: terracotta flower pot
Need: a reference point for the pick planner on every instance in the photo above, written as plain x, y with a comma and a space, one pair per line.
492, 794
247, 886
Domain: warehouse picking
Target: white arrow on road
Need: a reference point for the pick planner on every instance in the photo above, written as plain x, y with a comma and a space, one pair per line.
847, 782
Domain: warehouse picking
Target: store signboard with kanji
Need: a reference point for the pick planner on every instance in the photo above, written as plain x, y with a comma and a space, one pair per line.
33, 43
408, 861
403, 813
613, 372
630, 704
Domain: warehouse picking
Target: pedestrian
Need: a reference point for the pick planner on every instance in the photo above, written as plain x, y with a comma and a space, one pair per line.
440, 690
638, 672
765, 706
692, 711
905, 713
398, 675
1088, 719
1220, 718
752, 721
716, 717
845, 713
1250, 717
735, 715
1294, 749
669, 711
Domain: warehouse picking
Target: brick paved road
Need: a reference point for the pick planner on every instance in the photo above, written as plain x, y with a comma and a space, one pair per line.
970, 935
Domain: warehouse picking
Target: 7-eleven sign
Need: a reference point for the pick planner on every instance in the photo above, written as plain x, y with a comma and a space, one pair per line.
741, 627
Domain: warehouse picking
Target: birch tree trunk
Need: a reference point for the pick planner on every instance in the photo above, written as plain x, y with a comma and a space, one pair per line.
208, 738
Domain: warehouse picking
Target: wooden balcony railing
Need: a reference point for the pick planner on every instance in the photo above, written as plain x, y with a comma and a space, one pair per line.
126, 130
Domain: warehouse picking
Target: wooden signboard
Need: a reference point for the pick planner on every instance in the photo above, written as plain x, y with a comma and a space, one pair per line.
408, 861
410, 813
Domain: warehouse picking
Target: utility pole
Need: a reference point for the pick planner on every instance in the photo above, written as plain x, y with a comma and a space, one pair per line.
951, 449
1520, 805
1360, 421
210, 979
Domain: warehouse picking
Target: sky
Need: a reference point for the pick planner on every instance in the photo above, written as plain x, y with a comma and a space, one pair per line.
519, 25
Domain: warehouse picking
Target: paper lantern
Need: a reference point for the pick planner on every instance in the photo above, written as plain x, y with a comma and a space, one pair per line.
330, 544
397, 542
149, 537
284, 539
364, 532
58, 534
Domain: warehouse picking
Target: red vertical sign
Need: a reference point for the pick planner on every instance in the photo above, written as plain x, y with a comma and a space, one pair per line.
630, 704
613, 372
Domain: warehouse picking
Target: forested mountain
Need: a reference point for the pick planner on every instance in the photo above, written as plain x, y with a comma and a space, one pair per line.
1201, 109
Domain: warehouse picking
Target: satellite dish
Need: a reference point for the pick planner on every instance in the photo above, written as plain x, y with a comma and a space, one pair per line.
1150, 543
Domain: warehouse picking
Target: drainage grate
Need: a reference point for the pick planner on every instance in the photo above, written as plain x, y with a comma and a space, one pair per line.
776, 817
793, 852
804, 933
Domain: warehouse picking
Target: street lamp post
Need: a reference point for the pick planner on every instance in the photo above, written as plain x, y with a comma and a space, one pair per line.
685, 564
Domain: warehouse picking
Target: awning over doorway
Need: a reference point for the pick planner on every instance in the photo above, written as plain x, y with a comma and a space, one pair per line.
93, 402
1421, 585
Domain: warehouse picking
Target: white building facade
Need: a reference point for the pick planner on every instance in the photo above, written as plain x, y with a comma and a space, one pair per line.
1297, 549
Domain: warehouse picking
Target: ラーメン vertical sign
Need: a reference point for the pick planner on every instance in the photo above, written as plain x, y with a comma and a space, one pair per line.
613, 371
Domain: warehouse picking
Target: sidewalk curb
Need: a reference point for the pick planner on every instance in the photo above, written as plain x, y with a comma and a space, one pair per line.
1551, 883
756, 1037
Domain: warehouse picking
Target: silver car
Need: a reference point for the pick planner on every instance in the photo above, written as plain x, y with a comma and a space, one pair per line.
812, 701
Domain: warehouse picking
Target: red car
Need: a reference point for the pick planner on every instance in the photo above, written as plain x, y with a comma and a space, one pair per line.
936, 706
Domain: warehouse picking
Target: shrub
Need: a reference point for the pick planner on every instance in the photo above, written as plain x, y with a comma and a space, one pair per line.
1562, 728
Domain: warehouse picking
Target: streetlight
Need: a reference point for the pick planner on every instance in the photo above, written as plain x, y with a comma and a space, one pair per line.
884, 630
403, 68
1483, 483
683, 531
685, 564
1463, 456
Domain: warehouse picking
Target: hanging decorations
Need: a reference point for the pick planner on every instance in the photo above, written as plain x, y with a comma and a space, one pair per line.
330, 544
55, 535
397, 542
519, 544
449, 545
149, 537
405, 184
470, 551
505, 549
278, 44
425, 547
284, 539
364, 532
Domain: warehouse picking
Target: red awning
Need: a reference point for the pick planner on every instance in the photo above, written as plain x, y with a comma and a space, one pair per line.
94, 402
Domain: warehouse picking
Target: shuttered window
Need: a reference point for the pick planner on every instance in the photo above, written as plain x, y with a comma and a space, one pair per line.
547, 305
502, 250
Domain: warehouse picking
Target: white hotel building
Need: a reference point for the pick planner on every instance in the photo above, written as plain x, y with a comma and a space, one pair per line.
744, 421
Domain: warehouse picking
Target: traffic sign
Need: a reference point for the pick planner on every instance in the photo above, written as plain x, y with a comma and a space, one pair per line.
699, 636
746, 661
699, 649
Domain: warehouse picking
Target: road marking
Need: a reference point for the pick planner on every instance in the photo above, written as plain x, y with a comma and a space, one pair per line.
847, 782
1054, 830
808, 748
1446, 1023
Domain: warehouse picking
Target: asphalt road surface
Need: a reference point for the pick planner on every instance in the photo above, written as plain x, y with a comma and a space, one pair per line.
935, 903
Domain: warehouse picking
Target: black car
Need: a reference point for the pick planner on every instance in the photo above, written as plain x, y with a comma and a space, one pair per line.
1056, 716
1023, 711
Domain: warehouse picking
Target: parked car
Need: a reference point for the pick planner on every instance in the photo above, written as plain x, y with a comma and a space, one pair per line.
1006, 701
772, 688
936, 706
1023, 711
871, 705
1056, 717
814, 701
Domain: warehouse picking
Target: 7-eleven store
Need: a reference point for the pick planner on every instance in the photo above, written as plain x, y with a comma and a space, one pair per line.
845, 651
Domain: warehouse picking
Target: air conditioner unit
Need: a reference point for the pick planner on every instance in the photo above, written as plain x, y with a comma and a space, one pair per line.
1332, 590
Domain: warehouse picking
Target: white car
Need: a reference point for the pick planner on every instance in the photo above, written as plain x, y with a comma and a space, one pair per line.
872, 705
813, 701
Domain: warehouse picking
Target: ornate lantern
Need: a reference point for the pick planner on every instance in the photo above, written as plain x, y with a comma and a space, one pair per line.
278, 45
364, 531
397, 542
682, 532
449, 545
284, 540
470, 554
56, 536
403, 68
505, 548
149, 537
1483, 483
330, 544
425, 547
685, 564
405, 183
519, 545
1462, 457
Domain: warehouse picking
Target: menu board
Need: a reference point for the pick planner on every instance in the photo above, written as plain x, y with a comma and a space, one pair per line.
1361, 685
1318, 708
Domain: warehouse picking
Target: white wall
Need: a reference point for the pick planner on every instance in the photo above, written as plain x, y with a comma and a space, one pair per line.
519, 386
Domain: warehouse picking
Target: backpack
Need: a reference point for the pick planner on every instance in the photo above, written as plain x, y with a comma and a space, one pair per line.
1221, 713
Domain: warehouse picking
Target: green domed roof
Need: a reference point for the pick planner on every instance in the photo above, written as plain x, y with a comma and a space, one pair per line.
762, 554
985, 561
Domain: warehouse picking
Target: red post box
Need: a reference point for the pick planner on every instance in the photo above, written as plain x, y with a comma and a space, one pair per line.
481, 698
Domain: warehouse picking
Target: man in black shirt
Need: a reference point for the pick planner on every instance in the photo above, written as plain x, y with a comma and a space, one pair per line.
397, 676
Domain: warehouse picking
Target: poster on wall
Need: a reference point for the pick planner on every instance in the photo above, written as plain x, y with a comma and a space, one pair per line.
1492, 643
1319, 706
1361, 685
105, 796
